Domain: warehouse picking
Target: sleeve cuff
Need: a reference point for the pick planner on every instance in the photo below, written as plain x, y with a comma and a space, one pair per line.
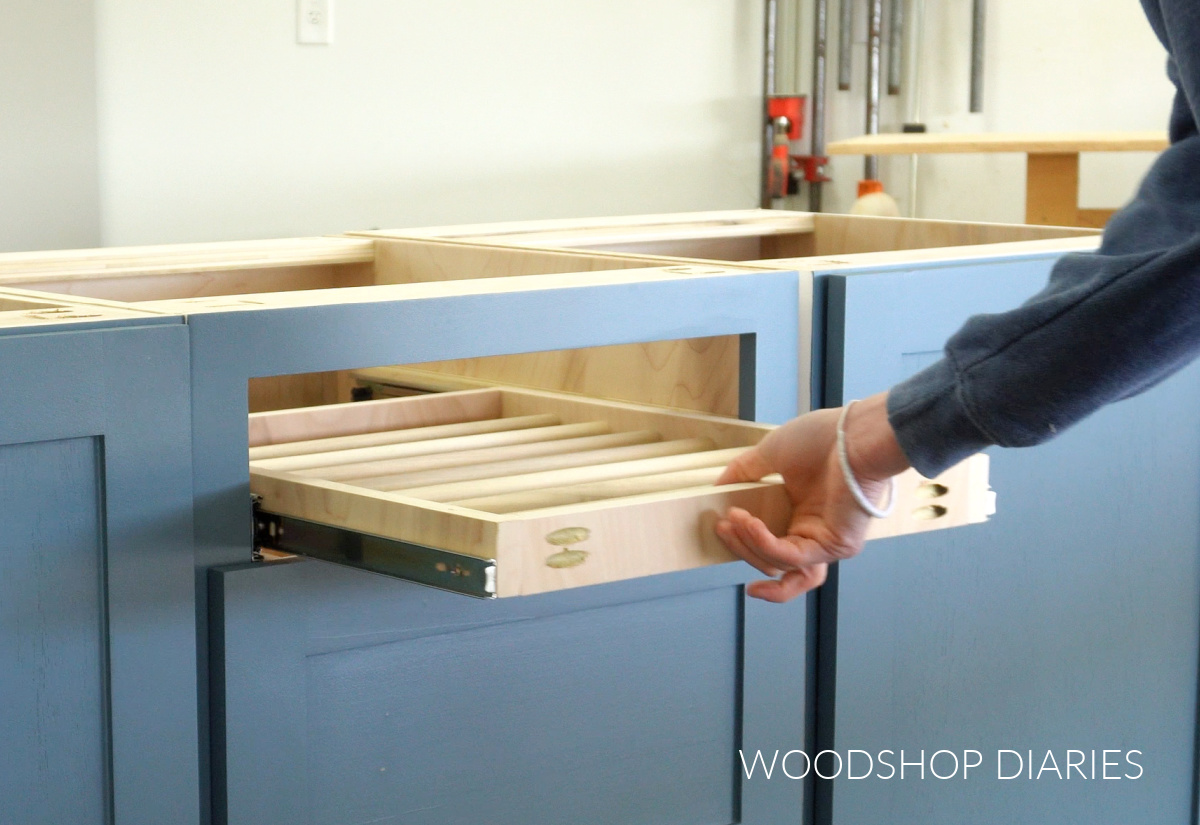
931, 422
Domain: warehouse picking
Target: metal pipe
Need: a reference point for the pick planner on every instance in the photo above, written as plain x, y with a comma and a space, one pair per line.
895, 46
978, 19
820, 45
770, 26
845, 43
915, 36
874, 49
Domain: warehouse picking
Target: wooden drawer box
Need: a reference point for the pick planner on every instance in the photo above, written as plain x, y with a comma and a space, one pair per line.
552, 491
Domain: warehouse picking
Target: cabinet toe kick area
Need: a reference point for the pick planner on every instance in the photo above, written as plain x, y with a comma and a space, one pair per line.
506, 492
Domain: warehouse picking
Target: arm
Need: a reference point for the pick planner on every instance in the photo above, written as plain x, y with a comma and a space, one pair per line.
1106, 326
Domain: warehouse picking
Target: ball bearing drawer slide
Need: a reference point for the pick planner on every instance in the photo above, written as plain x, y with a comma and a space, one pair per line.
455, 572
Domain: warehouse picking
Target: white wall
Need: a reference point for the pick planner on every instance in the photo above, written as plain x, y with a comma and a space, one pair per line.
1064, 65
49, 196
215, 124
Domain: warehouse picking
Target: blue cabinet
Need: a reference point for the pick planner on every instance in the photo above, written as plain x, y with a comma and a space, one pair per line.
340, 696
97, 640
150, 675
1068, 623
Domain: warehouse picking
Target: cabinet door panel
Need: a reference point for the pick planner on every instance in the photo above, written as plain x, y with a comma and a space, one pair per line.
1068, 622
51, 641
351, 697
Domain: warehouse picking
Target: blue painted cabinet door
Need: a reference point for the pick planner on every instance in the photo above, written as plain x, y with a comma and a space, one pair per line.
1069, 622
348, 697
97, 652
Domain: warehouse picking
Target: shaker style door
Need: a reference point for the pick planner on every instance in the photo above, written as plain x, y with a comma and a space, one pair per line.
97, 616
1068, 622
346, 696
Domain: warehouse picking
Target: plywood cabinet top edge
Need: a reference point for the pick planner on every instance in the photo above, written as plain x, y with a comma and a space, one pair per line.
947, 256
451, 289
731, 216
119, 262
24, 311
483, 244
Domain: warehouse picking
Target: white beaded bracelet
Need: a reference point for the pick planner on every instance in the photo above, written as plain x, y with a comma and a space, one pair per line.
852, 482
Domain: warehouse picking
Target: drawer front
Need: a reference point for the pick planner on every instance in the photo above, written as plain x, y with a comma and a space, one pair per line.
350, 697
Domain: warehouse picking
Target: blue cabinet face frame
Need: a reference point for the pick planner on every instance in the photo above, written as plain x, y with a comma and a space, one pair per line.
338, 695
97, 638
1070, 621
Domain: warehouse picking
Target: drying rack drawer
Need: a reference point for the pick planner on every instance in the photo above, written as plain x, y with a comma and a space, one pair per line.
504, 492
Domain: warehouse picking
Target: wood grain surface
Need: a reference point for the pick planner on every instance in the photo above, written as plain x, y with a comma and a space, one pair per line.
1024, 142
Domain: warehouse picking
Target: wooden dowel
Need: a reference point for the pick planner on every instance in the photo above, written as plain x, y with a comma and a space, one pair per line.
594, 491
350, 442
372, 473
550, 462
437, 445
576, 475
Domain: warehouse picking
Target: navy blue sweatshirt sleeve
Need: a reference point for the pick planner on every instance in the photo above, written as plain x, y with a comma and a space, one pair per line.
1107, 325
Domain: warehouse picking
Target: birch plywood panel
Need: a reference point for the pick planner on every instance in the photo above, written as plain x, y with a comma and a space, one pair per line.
410, 261
693, 374
851, 234
640, 226
558, 491
696, 374
699, 374
747, 234
739, 235
201, 283
148, 273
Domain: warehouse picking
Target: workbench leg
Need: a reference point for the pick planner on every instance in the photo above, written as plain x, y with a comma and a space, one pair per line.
1052, 189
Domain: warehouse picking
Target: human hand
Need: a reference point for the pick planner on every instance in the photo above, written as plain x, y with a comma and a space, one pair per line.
827, 523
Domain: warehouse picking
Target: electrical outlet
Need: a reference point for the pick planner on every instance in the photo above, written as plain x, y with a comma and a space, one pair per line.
314, 22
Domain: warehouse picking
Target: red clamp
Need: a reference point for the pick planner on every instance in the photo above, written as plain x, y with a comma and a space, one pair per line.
811, 168
790, 107
785, 119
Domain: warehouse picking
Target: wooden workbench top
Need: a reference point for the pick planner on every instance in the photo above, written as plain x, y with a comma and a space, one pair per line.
1026, 142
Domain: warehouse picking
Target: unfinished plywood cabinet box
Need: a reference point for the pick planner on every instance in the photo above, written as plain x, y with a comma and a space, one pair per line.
549, 491
737, 235
690, 373
695, 374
